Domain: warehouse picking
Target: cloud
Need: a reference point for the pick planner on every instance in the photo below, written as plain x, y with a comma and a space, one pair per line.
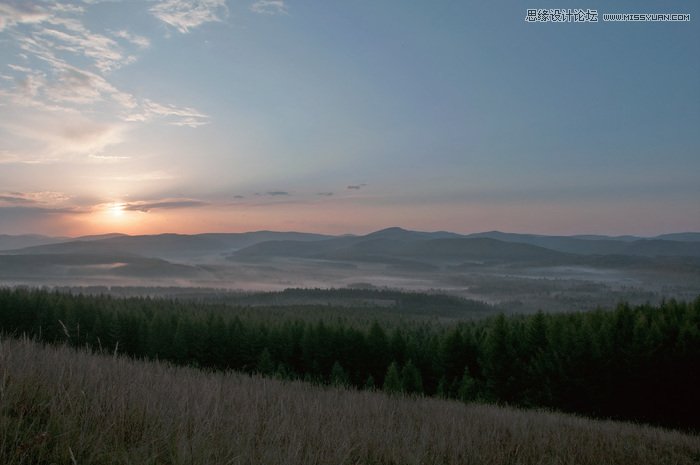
14, 199
356, 187
141, 177
134, 39
48, 135
74, 85
11, 15
88, 137
63, 73
20, 219
269, 7
239, 196
7, 158
184, 15
70, 35
8, 212
178, 116
109, 158
324, 194
276, 193
163, 204
43, 199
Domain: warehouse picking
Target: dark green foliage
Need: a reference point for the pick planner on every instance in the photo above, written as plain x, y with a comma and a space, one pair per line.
338, 375
635, 363
265, 365
499, 362
411, 380
468, 390
392, 380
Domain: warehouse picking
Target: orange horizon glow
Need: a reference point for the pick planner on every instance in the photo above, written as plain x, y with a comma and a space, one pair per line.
338, 218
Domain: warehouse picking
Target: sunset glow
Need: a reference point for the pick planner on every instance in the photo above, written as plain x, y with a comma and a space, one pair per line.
116, 210
147, 117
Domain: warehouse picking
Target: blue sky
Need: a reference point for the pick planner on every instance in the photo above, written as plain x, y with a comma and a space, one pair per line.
214, 115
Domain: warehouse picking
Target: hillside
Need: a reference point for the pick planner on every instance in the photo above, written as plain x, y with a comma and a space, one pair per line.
631, 363
166, 246
379, 248
8, 242
62, 406
528, 272
684, 244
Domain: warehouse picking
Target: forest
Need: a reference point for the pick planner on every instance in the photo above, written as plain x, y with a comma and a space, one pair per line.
638, 363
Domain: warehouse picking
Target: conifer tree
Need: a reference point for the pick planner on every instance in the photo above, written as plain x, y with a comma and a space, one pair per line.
369, 384
392, 380
411, 380
467, 391
339, 377
265, 365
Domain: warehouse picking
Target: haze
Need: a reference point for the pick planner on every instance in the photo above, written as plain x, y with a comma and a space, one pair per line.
344, 117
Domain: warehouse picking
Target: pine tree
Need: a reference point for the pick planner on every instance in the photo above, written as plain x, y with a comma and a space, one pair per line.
265, 365
411, 380
392, 380
377, 350
339, 377
398, 346
499, 361
467, 391
369, 384
442, 390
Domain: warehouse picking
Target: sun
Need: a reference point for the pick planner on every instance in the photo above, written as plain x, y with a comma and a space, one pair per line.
116, 210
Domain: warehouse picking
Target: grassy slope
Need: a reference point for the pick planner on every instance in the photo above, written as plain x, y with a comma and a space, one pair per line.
61, 406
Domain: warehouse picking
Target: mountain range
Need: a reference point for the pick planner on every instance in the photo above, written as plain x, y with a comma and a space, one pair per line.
167, 255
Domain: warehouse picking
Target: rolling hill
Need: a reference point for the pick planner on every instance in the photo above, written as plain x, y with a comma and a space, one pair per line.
165, 246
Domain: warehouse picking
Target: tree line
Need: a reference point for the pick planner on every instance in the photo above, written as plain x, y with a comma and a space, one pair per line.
638, 363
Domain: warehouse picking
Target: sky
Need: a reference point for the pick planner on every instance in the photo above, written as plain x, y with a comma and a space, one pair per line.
193, 116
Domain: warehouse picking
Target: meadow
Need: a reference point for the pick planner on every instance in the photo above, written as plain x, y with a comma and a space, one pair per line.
66, 406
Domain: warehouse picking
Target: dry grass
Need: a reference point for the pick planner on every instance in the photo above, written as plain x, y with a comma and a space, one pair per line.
61, 406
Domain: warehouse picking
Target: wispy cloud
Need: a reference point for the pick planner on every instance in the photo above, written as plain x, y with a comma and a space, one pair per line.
7, 158
269, 7
11, 15
44, 199
62, 74
68, 34
20, 218
185, 15
7, 211
324, 194
356, 187
134, 39
150, 176
14, 199
272, 194
56, 134
168, 204
178, 116
109, 158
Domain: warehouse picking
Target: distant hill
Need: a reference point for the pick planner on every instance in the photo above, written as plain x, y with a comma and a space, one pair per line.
404, 246
599, 237
97, 237
82, 264
600, 245
686, 237
401, 234
418, 250
167, 246
8, 242
405, 250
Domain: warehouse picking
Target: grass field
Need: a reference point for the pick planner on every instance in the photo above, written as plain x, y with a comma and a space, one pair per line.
66, 407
